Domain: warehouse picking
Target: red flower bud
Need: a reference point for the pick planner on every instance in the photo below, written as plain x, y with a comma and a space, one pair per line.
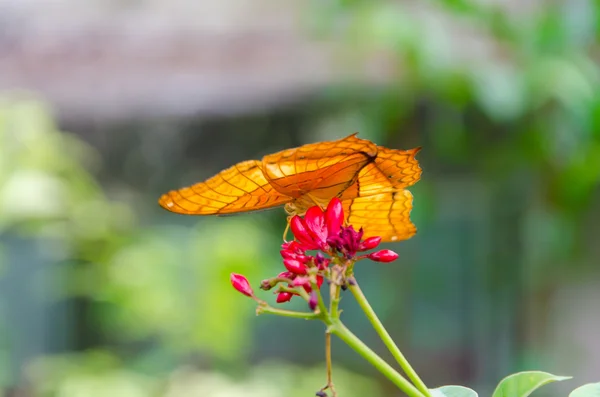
334, 216
241, 284
313, 301
369, 243
383, 256
294, 266
266, 284
283, 297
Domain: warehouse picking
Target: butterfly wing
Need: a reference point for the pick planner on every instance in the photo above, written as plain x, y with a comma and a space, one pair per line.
322, 170
385, 214
400, 167
378, 201
370, 180
240, 188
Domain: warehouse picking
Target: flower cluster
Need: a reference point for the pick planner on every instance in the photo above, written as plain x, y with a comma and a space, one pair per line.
337, 247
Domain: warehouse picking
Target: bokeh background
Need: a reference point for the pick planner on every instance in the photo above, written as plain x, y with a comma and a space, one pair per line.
105, 105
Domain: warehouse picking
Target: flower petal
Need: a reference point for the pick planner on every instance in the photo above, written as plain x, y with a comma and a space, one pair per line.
294, 266
286, 275
300, 230
301, 280
319, 281
287, 254
315, 223
293, 247
334, 216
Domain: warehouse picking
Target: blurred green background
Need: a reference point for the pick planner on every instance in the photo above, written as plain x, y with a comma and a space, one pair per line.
106, 105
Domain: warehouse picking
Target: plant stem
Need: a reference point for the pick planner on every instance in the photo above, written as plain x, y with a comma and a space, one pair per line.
387, 339
338, 329
262, 309
329, 384
320, 303
334, 297
295, 290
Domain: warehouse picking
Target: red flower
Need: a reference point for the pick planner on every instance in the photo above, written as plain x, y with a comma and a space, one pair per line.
383, 256
241, 284
297, 263
347, 241
302, 234
322, 231
317, 226
294, 259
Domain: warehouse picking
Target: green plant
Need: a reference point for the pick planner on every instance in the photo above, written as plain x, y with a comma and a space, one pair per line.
339, 249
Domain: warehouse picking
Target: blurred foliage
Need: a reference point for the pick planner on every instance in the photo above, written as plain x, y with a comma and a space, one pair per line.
100, 375
512, 92
165, 288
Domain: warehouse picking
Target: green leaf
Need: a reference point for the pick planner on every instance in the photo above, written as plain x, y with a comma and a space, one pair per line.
589, 390
522, 384
453, 391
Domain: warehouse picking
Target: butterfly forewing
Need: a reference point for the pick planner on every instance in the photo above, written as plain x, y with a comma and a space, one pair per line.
240, 188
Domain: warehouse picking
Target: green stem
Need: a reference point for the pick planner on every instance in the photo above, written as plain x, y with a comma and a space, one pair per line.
320, 303
296, 291
387, 339
338, 329
334, 300
261, 309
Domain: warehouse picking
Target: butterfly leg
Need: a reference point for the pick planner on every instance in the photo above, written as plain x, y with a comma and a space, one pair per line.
290, 210
287, 228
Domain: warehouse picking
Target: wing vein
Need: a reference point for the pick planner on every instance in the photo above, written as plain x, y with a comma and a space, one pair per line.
248, 178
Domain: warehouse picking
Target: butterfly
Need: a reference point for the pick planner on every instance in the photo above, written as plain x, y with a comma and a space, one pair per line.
370, 181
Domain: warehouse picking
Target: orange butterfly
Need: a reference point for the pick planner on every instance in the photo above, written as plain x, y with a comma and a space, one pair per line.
370, 181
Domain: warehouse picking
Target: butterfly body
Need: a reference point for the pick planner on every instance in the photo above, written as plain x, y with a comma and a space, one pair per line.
369, 179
